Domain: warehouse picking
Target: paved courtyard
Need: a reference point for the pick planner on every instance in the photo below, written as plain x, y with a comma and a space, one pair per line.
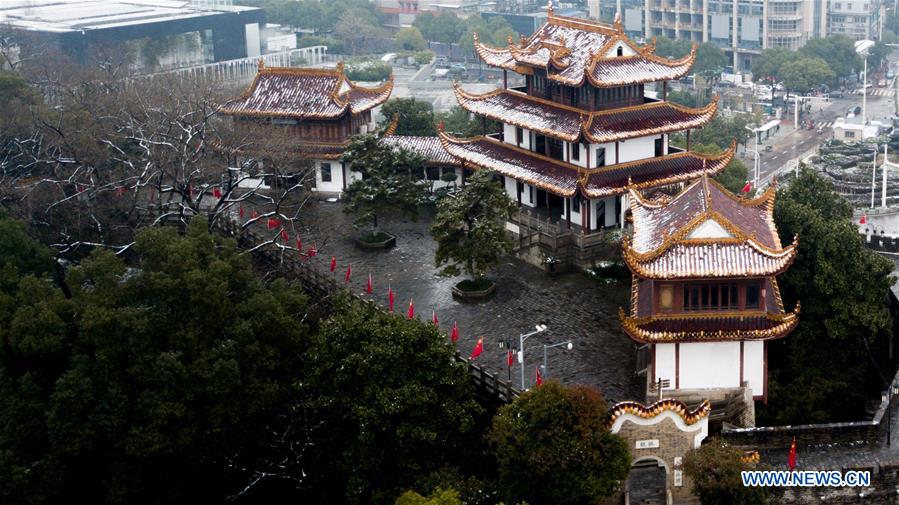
572, 305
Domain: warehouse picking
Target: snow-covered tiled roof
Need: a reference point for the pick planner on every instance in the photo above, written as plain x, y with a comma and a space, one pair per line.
565, 179
305, 93
570, 123
429, 147
740, 240
572, 50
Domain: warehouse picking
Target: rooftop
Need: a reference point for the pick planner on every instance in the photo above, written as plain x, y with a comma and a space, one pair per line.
706, 231
306, 93
565, 179
573, 50
571, 124
62, 16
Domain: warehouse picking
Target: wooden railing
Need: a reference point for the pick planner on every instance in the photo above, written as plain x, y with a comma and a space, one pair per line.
323, 285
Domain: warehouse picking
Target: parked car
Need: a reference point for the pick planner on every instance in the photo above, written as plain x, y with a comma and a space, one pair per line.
890, 74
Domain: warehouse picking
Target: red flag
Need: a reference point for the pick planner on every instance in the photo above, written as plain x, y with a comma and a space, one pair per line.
240, 211
390, 297
333, 263
312, 250
368, 286
120, 190
434, 317
539, 377
864, 219
454, 336
747, 187
478, 349
349, 272
216, 192
411, 313
284, 236
254, 214
791, 461
509, 358
80, 188
190, 189
272, 223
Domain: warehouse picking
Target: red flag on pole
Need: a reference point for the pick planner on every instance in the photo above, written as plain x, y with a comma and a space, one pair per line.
368, 286
510, 358
272, 223
390, 297
434, 317
284, 236
349, 272
478, 349
333, 263
240, 212
864, 219
539, 377
791, 461
454, 336
216, 192
254, 214
411, 313
312, 250
747, 188
120, 190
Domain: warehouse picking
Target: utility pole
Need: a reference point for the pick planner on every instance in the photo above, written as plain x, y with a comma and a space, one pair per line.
883, 169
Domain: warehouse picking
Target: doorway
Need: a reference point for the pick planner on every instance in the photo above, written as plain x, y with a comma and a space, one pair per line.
647, 483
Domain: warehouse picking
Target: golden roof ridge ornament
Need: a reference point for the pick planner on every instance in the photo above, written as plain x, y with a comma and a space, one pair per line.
549, 8
261, 63
618, 26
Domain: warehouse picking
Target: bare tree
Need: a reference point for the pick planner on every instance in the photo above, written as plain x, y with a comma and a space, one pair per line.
100, 153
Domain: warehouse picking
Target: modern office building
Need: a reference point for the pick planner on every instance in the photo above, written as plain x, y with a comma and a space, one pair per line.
179, 32
742, 28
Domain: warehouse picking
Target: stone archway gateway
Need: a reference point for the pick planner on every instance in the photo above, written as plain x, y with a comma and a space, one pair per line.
659, 436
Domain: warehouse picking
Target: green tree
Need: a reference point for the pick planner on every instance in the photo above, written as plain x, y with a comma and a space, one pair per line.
438, 497
396, 403
770, 63
825, 370
715, 470
553, 445
141, 385
410, 39
460, 122
673, 48
470, 228
734, 175
710, 60
838, 51
387, 184
801, 75
445, 27
415, 117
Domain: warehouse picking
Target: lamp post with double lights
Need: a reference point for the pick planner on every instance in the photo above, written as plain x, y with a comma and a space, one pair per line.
862, 47
568, 345
540, 328
755, 166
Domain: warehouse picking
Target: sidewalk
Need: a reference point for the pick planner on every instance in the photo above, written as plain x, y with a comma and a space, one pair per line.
571, 305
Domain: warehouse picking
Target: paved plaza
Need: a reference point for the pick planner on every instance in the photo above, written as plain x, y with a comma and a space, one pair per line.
572, 305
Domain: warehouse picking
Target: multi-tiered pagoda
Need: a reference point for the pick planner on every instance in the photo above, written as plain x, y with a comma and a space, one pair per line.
582, 129
704, 295
317, 111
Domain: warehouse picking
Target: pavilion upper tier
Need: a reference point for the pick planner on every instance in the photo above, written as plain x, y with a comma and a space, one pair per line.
573, 51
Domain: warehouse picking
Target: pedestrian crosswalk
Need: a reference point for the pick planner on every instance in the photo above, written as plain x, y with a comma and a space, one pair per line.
888, 91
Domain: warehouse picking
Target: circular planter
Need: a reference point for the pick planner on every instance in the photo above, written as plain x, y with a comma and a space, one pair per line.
381, 242
473, 294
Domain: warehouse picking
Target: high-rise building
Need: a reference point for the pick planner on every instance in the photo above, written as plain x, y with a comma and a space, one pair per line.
742, 28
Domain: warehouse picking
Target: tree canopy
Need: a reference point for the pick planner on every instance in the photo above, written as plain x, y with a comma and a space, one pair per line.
826, 369
415, 116
410, 39
387, 183
396, 403
470, 227
715, 469
553, 445
146, 385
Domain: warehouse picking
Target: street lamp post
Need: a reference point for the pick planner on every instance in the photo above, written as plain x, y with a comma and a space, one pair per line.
569, 345
757, 163
862, 47
521, 339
